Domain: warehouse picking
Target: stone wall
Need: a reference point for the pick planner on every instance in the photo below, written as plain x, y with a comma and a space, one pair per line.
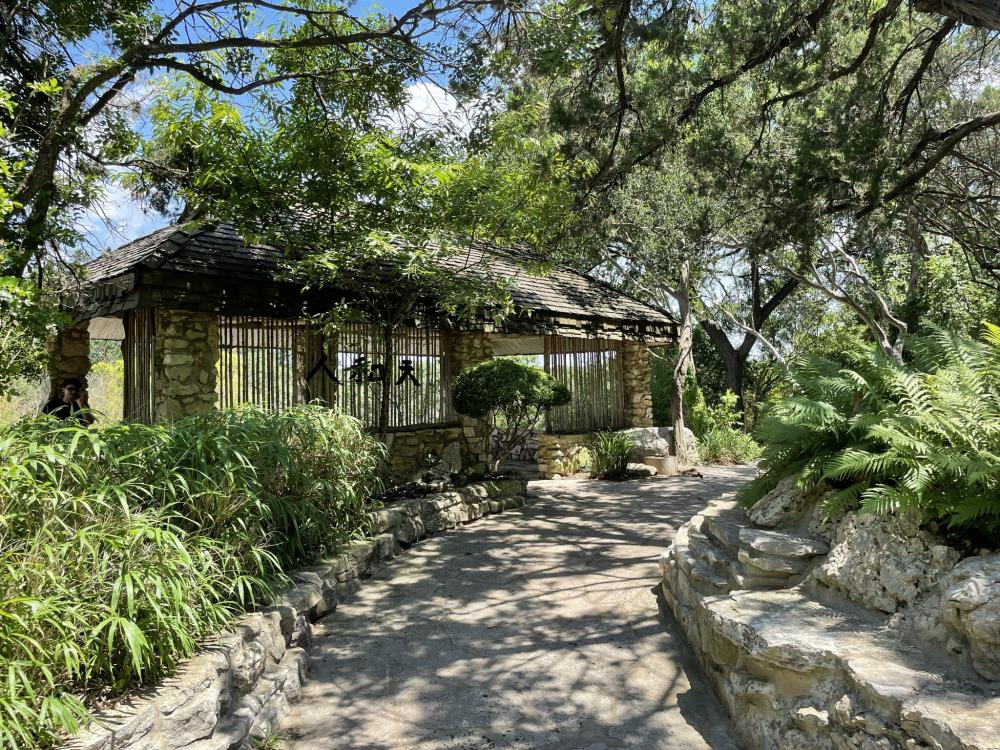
563, 455
636, 372
863, 634
463, 349
69, 357
185, 361
525, 451
232, 695
413, 451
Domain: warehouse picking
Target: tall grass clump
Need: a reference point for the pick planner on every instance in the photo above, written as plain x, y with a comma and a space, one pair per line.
922, 436
121, 547
721, 439
609, 454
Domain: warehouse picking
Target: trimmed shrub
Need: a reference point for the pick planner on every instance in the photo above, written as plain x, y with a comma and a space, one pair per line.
923, 436
122, 546
507, 395
609, 454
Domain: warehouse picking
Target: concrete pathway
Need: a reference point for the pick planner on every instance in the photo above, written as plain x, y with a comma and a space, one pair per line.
538, 628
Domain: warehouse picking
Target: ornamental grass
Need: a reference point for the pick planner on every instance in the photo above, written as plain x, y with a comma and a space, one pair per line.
122, 547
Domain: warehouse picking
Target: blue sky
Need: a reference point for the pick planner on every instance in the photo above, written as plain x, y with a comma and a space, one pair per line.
118, 218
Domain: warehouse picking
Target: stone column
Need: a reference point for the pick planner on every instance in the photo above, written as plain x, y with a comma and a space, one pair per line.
185, 362
69, 357
636, 372
463, 350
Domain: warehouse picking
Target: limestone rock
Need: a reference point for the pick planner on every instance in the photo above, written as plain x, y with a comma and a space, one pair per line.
190, 703
641, 470
247, 664
134, 725
971, 604
785, 504
949, 718
772, 563
727, 533
797, 672
809, 718
782, 545
658, 441
747, 578
884, 562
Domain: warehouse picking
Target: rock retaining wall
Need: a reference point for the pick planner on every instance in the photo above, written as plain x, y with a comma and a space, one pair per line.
413, 451
562, 455
791, 621
232, 694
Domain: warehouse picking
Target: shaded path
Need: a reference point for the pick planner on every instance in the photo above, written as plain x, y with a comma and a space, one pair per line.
538, 628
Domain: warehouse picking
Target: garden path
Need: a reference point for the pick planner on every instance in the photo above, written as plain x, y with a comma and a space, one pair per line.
539, 628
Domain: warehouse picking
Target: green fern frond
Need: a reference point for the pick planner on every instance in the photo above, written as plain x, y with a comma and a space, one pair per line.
922, 436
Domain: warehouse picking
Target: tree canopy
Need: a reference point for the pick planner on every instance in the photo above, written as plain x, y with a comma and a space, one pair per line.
779, 154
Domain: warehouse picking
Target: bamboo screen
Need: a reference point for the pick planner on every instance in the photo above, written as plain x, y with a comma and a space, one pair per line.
137, 352
592, 370
274, 363
348, 371
257, 361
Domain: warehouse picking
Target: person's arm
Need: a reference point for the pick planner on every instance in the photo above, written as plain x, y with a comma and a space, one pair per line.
83, 412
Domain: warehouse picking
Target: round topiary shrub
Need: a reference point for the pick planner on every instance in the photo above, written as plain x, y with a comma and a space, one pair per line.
507, 395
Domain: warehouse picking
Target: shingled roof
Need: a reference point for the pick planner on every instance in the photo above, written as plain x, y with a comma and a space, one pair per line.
217, 250
213, 249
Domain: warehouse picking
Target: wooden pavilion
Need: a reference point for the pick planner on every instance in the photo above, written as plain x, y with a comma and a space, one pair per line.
205, 321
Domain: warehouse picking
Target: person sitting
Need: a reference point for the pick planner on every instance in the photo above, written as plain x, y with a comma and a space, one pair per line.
71, 405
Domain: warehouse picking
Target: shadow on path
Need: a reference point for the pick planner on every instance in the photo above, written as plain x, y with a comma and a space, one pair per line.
538, 628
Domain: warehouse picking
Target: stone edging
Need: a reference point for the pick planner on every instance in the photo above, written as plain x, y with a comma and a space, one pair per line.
237, 689
796, 672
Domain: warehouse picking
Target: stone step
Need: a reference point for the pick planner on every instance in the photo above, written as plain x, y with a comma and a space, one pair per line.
781, 545
856, 675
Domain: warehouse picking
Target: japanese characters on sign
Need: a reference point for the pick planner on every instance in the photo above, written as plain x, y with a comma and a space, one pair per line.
363, 371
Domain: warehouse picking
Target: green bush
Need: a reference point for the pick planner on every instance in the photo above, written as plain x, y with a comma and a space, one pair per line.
609, 454
721, 440
508, 394
122, 546
888, 437
696, 413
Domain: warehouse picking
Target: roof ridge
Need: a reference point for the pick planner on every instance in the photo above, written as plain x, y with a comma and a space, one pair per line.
162, 257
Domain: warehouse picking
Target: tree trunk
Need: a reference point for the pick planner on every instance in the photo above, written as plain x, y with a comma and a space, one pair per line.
734, 359
685, 343
919, 253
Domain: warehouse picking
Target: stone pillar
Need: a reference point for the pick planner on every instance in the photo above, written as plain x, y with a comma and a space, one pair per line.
185, 362
636, 373
69, 357
462, 350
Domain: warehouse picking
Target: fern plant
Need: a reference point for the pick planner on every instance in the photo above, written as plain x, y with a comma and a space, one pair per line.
923, 436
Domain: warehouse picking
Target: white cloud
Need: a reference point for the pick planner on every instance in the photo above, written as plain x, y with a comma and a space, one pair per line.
115, 219
431, 106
